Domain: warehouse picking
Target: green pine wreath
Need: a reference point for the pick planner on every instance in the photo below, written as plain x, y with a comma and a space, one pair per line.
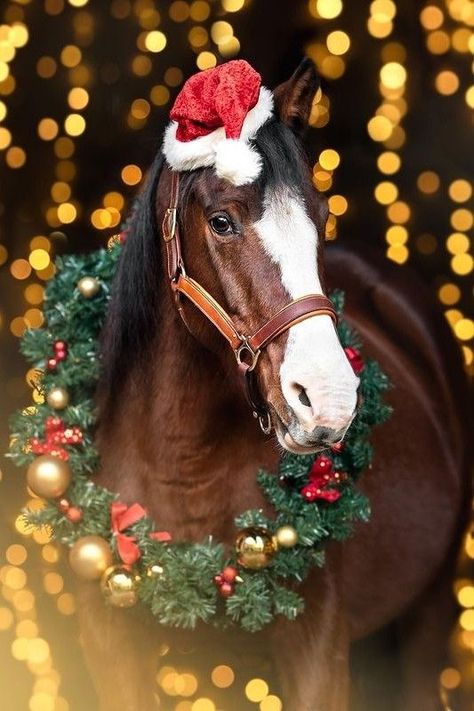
315, 499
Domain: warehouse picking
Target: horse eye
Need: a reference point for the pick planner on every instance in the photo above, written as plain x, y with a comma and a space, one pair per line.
221, 224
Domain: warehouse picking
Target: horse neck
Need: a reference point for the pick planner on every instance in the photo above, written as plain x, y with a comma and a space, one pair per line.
183, 441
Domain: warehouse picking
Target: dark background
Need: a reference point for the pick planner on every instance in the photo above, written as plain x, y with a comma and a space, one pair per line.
274, 35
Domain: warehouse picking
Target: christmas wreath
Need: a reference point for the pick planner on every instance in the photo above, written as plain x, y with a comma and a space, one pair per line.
315, 499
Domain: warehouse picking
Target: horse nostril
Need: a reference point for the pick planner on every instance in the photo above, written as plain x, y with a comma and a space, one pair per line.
303, 397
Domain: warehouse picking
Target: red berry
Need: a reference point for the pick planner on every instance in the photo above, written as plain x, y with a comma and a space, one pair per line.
61, 355
74, 514
60, 346
218, 579
309, 493
229, 574
338, 447
321, 465
51, 363
226, 589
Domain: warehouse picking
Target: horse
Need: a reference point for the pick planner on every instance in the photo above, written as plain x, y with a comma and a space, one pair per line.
175, 431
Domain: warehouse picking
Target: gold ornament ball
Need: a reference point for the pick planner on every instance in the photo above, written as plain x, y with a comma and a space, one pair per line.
88, 286
119, 586
286, 537
48, 476
90, 557
58, 398
255, 548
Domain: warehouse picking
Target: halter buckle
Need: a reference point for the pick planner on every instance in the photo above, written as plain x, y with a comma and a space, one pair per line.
246, 349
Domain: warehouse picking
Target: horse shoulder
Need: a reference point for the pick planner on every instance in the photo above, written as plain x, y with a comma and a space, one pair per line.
419, 484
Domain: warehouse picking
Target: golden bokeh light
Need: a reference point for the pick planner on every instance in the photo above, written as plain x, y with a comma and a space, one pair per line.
159, 95
222, 676
428, 182
447, 82
386, 192
460, 190
393, 75
449, 294
74, 124
328, 9
438, 42
78, 98
48, 129
155, 41
379, 128
338, 42
271, 703
389, 162
256, 690
431, 17
329, 159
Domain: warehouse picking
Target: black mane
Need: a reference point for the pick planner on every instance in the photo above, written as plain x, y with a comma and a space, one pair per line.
134, 312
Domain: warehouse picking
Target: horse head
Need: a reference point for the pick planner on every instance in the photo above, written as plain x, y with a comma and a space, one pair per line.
257, 246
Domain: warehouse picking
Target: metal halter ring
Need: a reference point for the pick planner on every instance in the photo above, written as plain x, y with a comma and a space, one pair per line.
264, 421
246, 348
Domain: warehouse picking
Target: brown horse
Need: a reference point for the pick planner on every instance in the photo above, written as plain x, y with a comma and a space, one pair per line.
176, 433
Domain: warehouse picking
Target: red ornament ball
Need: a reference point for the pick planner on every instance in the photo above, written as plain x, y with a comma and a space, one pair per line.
321, 465
226, 589
60, 346
61, 355
51, 363
229, 574
337, 448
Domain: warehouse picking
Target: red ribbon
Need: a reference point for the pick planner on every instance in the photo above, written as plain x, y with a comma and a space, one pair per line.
123, 516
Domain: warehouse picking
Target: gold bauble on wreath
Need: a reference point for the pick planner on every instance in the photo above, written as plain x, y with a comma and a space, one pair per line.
88, 286
286, 537
48, 476
90, 557
255, 548
119, 586
58, 398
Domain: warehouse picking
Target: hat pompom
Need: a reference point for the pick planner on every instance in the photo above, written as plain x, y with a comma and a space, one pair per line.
237, 161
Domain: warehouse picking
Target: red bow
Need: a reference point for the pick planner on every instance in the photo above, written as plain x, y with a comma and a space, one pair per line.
123, 516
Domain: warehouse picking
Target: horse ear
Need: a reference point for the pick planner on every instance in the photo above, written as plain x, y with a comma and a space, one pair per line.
293, 98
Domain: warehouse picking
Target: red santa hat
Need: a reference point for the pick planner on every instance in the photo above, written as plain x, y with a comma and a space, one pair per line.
215, 116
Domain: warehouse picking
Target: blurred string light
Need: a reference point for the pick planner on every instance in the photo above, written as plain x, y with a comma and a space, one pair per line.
449, 32
330, 57
19, 617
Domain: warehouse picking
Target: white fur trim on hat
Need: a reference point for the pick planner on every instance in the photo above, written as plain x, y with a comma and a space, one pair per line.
234, 158
237, 161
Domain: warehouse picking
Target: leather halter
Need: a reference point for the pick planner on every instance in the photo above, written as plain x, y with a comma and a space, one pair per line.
247, 348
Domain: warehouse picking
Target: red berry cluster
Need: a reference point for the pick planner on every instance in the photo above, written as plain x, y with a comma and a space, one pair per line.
226, 580
355, 359
321, 478
72, 513
56, 434
60, 353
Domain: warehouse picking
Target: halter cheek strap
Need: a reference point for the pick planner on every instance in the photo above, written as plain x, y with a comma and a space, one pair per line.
247, 348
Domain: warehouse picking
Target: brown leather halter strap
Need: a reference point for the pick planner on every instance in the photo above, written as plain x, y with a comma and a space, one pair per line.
247, 349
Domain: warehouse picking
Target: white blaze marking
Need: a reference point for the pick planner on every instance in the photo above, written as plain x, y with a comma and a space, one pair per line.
314, 358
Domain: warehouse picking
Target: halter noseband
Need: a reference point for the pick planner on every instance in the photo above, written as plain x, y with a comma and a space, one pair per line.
247, 348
